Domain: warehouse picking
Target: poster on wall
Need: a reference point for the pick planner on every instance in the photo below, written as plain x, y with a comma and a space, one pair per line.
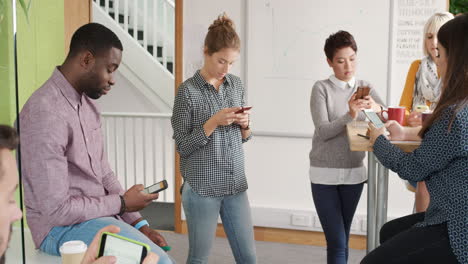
407, 40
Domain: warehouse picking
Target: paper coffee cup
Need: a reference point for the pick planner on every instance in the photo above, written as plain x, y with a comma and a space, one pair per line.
73, 252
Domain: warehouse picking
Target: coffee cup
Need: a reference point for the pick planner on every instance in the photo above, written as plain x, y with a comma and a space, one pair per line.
425, 116
421, 108
396, 113
72, 252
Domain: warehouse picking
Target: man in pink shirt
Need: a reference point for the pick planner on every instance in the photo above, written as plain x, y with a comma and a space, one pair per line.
70, 190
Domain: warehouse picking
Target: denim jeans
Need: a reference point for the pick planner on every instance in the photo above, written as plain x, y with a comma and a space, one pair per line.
86, 231
336, 205
202, 219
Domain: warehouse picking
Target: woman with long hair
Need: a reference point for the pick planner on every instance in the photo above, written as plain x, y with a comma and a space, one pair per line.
422, 88
440, 234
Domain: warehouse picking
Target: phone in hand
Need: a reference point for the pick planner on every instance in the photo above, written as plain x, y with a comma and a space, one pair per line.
374, 118
157, 187
362, 92
243, 109
126, 250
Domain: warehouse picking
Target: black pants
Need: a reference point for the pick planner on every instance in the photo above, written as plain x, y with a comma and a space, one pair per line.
335, 206
402, 243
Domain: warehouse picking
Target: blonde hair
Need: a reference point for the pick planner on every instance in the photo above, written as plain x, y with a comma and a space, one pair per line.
221, 34
433, 25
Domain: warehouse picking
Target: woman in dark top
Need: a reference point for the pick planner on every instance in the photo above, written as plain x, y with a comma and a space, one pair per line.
440, 235
209, 132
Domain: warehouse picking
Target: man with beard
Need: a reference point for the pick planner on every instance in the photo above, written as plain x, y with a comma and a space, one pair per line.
70, 189
9, 211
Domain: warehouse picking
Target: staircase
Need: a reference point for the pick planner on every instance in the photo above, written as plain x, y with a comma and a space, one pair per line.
146, 29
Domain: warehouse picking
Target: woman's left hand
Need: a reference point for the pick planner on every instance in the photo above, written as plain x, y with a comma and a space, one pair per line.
371, 104
375, 133
242, 119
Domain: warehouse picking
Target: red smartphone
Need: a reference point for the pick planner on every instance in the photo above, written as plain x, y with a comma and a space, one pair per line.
362, 92
243, 109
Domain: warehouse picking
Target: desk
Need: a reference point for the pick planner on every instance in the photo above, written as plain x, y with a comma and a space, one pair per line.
377, 183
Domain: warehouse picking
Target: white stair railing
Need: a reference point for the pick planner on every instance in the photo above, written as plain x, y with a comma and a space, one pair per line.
150, 22
140, 149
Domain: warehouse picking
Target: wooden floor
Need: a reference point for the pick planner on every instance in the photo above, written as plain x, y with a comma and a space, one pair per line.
291, 236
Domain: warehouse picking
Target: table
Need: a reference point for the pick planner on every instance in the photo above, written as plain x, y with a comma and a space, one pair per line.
377, 183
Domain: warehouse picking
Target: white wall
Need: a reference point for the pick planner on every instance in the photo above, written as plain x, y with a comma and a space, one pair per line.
125, 97
277, 168
198, 16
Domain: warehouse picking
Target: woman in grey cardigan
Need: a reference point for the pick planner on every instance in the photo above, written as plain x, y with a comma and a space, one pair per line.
337, 174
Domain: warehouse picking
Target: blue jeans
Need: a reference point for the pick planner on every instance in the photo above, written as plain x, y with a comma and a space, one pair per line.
86, 231
335, 206
202, 219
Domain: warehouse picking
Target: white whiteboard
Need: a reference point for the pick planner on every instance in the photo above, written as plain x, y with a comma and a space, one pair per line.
285, 56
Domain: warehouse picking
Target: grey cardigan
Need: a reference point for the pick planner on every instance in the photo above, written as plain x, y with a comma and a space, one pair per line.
329, 109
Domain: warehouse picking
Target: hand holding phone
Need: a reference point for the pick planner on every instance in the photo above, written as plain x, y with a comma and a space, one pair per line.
374, 118
243, 109
135, 199
362, 92
157, 187
126, 250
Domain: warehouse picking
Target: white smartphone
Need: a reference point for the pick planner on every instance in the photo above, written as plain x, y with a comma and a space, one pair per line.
374, 118
126, 250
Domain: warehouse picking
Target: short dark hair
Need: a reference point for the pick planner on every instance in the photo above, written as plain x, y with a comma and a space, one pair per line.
339, 40
94, 38
8, 137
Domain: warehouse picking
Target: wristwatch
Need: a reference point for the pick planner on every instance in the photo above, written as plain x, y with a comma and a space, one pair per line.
122, 205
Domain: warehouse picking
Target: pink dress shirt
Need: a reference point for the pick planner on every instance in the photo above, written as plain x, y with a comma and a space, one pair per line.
67, 178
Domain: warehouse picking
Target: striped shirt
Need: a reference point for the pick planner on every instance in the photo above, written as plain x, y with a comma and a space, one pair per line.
214, 165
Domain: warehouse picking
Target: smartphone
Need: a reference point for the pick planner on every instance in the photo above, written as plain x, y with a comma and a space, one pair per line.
126, 250
374, 118
157, 187
362, 92
244, 108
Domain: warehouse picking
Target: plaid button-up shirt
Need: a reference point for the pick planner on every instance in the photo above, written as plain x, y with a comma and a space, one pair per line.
214, 165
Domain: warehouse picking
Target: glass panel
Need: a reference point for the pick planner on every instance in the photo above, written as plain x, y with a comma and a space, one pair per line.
8, 110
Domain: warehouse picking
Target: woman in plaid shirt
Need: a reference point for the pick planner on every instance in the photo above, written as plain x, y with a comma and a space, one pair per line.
210, 127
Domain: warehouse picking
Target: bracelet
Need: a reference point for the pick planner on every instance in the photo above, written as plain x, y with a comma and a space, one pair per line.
122, 205
141, 224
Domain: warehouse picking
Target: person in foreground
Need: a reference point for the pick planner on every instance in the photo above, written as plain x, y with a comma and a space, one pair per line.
9, 211
209, 135
70, 190
422, 88
440, 234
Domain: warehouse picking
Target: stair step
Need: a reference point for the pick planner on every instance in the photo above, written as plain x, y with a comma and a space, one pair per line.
103, 3
159, 52
170, 67
121, 17
139, 33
